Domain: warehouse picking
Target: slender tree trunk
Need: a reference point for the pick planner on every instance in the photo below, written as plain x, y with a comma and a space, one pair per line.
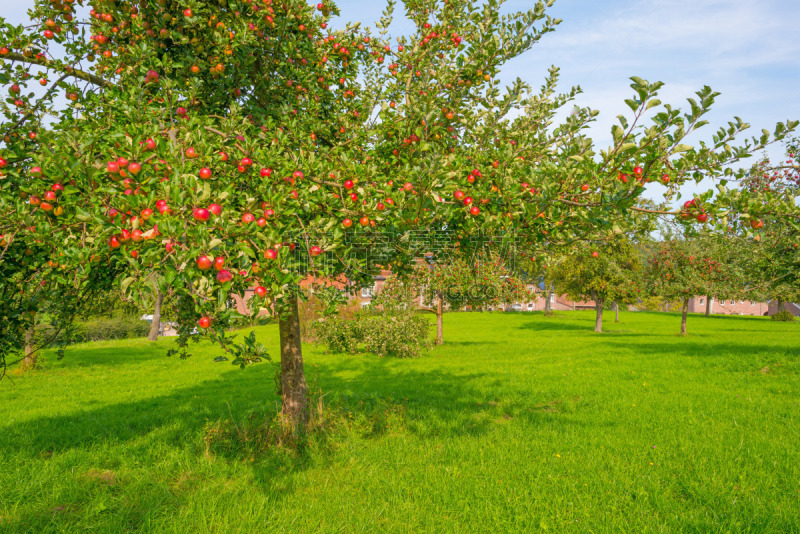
155, 326
598, 322
439, 319
547, 296
616, 311
708, 305
294, 391
30, 361
683, 316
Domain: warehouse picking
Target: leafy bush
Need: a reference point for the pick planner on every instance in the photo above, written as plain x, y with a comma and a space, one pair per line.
339, 334
401, 335
94, 330
783, 316
314, 309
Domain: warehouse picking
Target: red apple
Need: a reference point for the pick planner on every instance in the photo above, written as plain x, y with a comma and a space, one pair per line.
315, 251
219, 263
205, 173
215, 209
270, 254
204, 263
204, 322
261, 291
201, 214
224, 276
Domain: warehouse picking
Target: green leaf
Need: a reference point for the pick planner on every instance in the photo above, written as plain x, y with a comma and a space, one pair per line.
653, 103
681, 148
126, 283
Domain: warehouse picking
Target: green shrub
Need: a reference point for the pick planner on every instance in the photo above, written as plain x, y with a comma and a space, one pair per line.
338, 334
783, 316
400, 335
93, 330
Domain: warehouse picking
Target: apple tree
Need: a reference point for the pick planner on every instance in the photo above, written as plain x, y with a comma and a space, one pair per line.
216, 148
602, 272
679, 268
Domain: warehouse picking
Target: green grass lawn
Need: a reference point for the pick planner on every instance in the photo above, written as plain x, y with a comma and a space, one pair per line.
519, 423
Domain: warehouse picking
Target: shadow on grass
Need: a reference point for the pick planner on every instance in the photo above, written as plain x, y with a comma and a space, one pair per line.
730, 356
91, 356
367, 395
554, 326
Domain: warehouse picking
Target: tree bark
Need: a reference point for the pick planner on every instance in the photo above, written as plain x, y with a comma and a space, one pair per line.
598, 322
439, 319
155, 326
294, 391
30, 360
683, 316
616, 311
708, 305
547, 296
780, 305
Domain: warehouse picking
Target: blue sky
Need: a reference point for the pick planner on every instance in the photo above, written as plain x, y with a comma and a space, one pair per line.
747, 50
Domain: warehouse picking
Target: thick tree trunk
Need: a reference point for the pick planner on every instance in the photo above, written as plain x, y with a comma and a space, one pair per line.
708, 305
155, 326
598, 322
293, 380
30, 360
439, 319
683, 316
780, 305
616, 311
547, 296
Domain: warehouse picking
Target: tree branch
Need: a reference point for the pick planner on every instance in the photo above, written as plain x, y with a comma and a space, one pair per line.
44, 62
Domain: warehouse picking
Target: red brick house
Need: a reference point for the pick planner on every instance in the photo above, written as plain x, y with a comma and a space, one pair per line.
729, 306
791, 307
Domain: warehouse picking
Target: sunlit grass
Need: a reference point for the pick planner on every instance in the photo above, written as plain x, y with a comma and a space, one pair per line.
518, 423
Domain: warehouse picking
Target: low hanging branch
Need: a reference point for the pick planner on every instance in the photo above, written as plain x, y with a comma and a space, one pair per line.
69, 71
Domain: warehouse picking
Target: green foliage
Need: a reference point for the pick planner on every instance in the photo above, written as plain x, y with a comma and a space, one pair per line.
401, 334
101, 329
340, 335
784, 316
680, 268
599, 271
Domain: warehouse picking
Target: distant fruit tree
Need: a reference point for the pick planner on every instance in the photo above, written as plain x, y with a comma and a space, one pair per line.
600, 272
220, 147
679, 269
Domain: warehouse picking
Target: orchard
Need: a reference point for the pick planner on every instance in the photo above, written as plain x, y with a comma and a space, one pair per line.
218, 147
